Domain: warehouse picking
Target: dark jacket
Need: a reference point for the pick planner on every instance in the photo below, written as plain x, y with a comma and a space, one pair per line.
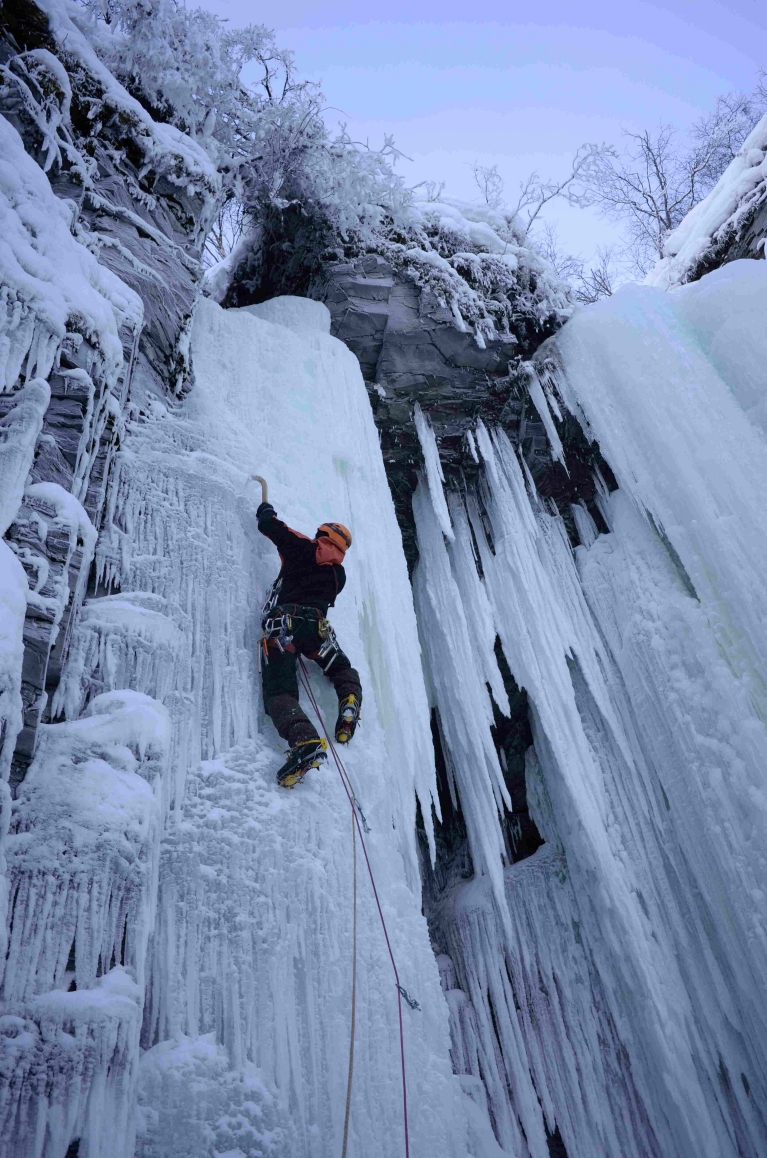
304, 580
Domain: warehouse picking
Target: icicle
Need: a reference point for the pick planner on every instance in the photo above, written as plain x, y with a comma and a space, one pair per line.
584, 524
541, 402
456, 667
120, 640
434, 475
21, 426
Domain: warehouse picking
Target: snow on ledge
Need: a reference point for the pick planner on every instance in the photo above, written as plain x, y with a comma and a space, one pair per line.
115, 996
49, 277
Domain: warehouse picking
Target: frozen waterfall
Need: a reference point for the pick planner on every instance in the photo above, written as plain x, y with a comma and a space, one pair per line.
237, 924
617, 977
178, 975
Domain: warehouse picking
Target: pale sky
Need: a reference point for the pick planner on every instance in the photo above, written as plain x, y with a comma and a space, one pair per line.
517, 85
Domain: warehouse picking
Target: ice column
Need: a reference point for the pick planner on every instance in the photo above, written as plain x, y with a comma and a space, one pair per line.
640, 925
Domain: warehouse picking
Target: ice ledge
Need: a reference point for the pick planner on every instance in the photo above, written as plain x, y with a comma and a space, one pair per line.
301, 315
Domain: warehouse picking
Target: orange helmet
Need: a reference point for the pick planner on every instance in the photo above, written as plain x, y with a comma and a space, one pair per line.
337, 533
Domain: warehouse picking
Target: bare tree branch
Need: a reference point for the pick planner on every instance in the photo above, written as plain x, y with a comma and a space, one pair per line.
535, 194
600, 279
227, 228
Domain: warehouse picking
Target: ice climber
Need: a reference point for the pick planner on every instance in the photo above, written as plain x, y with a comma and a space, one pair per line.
295, 623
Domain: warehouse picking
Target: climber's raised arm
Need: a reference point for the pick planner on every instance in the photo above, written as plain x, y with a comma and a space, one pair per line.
292, 545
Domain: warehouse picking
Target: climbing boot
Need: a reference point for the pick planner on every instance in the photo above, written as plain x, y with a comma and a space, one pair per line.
348, 718
303, 756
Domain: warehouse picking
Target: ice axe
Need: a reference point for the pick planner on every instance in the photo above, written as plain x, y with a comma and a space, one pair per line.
264, 488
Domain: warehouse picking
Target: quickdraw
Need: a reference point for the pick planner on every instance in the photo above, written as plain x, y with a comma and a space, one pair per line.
329, 646
272, 596
274, 626
277, 629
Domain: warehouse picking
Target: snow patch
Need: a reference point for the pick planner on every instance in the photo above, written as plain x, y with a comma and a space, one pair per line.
302, 315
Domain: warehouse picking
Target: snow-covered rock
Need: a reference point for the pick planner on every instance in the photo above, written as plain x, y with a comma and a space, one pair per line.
729, 223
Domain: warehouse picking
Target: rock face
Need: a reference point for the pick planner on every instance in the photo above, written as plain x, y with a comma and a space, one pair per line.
412, 351
744, 239
146, 220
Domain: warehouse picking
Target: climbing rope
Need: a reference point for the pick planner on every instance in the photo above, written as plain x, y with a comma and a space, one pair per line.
354, 994
401, 991
339, 763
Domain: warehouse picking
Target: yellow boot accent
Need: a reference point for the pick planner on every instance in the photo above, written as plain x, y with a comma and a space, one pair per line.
294, 769
348, 718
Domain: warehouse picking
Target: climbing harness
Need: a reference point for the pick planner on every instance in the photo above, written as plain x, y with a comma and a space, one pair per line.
277, 626
401, 991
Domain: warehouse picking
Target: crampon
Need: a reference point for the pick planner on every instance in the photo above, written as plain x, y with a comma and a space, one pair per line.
302, 757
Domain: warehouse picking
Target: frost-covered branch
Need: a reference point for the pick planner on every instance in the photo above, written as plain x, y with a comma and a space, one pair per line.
535, 193
490, 184
269, 138
226, 231
599, 278
588, 280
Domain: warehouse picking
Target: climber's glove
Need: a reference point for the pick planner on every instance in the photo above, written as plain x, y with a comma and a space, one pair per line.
265, 511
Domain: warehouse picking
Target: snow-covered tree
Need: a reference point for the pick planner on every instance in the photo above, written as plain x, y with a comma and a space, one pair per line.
268, 137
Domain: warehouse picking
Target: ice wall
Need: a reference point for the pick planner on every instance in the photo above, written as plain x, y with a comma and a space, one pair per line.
239, 969
249, 965
641, 924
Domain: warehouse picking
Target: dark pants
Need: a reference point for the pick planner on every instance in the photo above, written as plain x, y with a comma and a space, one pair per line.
280, 678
